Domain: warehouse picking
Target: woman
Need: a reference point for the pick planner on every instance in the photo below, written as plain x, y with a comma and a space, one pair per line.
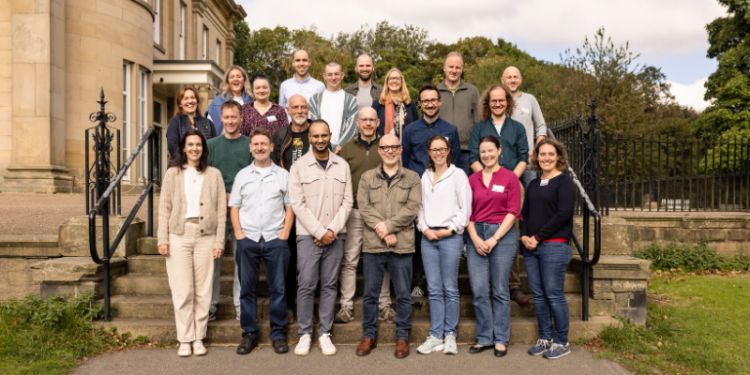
236, 86
546, 229
192, 217
446, 203
395, 108
262, 113
490, 253
187, 117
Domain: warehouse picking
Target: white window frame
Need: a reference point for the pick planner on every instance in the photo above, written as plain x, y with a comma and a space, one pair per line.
127, 78
142, 118
182, 32
157, 22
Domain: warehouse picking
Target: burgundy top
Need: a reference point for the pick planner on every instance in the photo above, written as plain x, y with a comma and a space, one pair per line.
275, 118
502, 197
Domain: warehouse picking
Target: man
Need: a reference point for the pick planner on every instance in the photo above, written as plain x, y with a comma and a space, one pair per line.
301, 83
361, 154
388, 199
289, 144
365, 89
527, 112
229, 154
262, 219
460, 104
419, 132
321, 191
336, 107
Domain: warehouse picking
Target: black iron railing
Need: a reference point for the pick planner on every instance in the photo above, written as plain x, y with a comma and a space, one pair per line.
583, 142
107, 192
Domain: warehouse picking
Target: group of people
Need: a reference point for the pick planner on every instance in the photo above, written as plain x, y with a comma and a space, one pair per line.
331, 175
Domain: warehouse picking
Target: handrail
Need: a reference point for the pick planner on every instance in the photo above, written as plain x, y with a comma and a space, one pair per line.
105, 189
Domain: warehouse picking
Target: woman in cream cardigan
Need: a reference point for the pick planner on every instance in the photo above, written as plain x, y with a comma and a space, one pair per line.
192, 217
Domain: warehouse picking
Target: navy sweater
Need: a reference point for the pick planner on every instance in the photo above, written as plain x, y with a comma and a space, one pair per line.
548, 210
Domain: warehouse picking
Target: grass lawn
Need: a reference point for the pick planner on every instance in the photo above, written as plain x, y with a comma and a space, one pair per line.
697, 324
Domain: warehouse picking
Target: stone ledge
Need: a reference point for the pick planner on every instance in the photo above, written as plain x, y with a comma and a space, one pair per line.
71, 276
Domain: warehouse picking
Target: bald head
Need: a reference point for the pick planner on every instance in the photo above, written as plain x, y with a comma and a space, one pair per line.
513, 79
364, 67
301, 63
367, 123
297, 108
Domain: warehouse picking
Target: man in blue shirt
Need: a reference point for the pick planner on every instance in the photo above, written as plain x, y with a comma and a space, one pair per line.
418, 133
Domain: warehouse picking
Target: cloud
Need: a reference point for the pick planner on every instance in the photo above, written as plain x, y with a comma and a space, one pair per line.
690, 95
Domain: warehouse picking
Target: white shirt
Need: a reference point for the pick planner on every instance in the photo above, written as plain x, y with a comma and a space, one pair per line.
446, 202
239, 100
193, 183
332, 110
307, 88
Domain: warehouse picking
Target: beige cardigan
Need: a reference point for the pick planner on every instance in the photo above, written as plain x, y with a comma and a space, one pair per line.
172, 206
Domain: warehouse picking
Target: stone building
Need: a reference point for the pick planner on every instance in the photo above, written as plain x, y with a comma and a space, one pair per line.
56, 55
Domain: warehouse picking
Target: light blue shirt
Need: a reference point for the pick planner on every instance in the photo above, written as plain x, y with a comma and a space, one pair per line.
262, 196
307, 88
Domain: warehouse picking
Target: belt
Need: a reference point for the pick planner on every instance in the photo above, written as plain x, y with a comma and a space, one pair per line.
557, 240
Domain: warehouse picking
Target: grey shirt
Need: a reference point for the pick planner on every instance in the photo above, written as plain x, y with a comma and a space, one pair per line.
262, 196
528, 113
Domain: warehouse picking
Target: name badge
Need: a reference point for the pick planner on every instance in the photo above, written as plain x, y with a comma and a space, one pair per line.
544, 182
498, 188
271, 118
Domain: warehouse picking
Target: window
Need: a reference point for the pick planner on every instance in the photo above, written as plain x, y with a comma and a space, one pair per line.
127, 71
181, 44
217, 56
157, 21
204, 41
142, 117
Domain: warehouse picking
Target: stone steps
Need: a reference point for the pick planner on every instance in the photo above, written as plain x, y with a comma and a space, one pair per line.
228, 331
156, 307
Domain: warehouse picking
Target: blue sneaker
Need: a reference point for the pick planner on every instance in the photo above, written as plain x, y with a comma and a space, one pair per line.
557, 351
541, 346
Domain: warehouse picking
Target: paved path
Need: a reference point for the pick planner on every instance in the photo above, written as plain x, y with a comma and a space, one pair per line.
223, 360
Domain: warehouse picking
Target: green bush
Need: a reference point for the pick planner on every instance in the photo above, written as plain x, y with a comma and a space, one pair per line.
691, 258
51, 335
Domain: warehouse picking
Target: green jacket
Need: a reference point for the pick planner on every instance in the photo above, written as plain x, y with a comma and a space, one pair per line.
360, 160
397, 205
512, 139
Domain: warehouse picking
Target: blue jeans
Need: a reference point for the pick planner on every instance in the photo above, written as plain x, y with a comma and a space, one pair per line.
275, 254
493, 318
441, 259
546, 271
373, 268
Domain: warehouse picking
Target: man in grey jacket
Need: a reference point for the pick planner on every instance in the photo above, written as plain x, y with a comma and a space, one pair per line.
365, 89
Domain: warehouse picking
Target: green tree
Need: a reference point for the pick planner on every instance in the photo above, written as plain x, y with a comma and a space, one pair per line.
729, 86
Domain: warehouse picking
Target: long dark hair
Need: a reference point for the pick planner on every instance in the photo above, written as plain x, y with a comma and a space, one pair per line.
180, 159
448, 158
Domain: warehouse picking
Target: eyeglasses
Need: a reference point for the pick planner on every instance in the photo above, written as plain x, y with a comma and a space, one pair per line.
439, 150
498, 101
393, 78
389, 148
429, 101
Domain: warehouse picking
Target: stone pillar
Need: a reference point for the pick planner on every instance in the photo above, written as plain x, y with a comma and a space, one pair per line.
38, 98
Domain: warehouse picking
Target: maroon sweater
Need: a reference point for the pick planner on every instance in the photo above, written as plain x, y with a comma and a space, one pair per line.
502, 197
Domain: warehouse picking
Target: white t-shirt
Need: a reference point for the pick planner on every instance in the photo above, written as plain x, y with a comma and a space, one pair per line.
193, 181
239, 100
332, 111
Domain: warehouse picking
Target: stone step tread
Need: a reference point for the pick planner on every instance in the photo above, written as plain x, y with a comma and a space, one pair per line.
28, 240
523, 329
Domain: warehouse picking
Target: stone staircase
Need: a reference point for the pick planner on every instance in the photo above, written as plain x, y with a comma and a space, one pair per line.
142, 306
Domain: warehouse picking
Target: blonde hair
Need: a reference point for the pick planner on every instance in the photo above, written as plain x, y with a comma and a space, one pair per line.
403, 96
225, 83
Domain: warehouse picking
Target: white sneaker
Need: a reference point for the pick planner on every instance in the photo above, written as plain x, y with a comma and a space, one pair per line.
198, 348
326, 346
450, 346
432, 344
303, 346
184, 350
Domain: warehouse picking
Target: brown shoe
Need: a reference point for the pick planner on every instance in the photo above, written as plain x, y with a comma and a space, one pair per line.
366, 345
402, 349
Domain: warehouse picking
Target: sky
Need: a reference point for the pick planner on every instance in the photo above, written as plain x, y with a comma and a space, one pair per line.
669, 34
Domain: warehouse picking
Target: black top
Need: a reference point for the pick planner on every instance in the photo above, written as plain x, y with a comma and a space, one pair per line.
548, 208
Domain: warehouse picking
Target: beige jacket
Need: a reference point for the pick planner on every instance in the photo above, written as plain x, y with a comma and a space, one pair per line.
172, 206
321, 199
397, 206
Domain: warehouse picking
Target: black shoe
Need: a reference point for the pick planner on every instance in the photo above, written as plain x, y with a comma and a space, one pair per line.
280, 346
501, 353
474, 349
249, 342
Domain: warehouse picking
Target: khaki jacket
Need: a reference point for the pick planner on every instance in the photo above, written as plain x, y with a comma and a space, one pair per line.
321, 199
397, 206
172, 206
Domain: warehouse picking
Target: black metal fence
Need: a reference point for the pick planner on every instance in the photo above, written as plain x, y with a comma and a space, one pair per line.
662, 173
